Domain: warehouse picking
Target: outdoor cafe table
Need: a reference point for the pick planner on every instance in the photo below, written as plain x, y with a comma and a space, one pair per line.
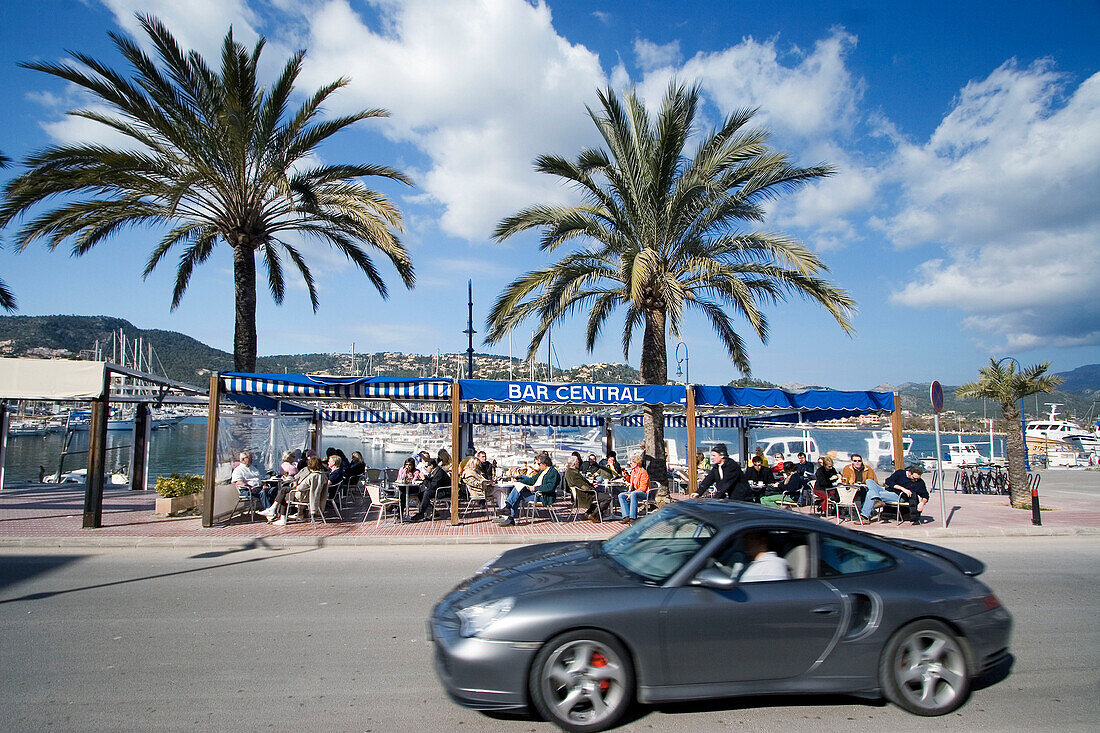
403, 487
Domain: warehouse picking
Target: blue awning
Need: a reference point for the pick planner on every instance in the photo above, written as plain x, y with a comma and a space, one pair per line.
306, 386
480, 390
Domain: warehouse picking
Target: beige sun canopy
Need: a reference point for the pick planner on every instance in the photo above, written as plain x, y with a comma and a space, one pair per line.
51, 379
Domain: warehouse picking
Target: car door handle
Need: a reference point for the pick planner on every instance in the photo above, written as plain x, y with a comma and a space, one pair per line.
825, 610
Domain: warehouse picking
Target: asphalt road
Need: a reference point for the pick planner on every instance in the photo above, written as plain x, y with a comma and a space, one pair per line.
333, 640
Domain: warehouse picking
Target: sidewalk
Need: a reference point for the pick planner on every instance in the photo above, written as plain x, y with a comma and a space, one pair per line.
43, 515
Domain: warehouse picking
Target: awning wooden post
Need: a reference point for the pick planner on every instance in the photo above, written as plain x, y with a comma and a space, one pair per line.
211, 471
97, 452
692, 466
139, 453
455, 442
5, 424
895, 433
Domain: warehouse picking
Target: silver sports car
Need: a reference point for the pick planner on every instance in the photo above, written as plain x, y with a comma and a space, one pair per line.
712, 599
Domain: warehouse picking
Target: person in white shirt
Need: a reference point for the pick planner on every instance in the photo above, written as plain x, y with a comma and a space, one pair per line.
766, 565
245, 476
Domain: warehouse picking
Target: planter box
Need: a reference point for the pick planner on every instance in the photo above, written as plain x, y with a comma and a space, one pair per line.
170, 506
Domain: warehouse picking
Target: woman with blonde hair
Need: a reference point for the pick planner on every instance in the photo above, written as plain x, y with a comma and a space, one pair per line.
637, 490
824, 482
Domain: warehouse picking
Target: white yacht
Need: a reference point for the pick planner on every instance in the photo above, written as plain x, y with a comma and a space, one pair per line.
1053, 432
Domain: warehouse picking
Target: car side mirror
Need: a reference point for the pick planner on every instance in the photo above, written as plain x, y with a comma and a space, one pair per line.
713, 578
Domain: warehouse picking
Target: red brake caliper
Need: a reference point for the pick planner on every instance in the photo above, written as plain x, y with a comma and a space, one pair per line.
599, 660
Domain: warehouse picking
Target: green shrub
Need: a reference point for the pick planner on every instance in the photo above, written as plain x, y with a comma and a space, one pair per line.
179, 484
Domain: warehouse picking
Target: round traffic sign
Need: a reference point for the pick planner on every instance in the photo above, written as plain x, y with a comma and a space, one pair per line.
937, 397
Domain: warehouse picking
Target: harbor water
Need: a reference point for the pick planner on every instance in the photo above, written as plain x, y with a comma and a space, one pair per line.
181, 448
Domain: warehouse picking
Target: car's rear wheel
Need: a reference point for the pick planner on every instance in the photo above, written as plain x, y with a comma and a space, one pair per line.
582, 681
924, 669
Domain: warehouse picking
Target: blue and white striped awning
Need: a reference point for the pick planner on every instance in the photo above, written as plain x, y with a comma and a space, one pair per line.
680, 421
511, 418
466, 418
303, 386
386, 416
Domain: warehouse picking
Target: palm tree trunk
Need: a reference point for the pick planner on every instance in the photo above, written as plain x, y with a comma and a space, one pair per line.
1014, 449
244, 332
654, 368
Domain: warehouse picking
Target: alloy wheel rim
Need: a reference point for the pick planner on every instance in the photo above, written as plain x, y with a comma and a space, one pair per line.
584, 682
930, 669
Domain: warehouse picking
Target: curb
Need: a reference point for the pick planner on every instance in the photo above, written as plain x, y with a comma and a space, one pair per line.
279, 543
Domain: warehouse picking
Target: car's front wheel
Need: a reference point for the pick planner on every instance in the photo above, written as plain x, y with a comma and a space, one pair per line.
924, 669
582, 681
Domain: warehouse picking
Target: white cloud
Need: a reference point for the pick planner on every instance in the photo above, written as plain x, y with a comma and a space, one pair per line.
197, 24
481, 86
650, 55
814, 97
1006, 185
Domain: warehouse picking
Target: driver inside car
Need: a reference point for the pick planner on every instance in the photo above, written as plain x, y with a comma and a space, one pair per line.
766, 564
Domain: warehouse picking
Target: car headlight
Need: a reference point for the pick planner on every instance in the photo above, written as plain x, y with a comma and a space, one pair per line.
476, 619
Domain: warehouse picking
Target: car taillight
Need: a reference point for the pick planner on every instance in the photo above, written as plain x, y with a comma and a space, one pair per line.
991, 601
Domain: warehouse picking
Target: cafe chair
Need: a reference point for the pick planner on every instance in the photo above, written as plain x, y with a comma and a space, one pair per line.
246, 502
649, 504
846, 500
541, 500
384, 503
314, 504
583, 500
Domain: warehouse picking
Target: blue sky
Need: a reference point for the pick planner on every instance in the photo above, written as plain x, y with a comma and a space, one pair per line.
963, 218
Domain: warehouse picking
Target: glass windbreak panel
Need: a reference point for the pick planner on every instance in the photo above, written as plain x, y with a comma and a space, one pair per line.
841, 557
795, 447
659, 545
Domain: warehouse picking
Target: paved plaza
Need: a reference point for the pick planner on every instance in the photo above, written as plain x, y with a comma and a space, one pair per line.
43, 514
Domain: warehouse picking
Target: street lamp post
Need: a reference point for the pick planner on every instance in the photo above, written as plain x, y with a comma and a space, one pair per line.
686, 362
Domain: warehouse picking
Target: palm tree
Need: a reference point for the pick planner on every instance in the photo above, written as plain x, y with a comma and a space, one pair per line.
215, 157
1006, 385
662, 233
7, 299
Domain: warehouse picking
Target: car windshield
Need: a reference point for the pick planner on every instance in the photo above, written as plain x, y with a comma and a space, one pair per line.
659, 545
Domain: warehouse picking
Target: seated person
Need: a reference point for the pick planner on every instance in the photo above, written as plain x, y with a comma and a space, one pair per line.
289, 466
725, 476
902, 485
545, 480
575, 479
790, 488
336, 469
759, 478
443, 458
636, 491
804, 467
247, 477
766, 565
475, 483
760, 454
408, 473
857, 474
437, 479
825, 481
589, 465
609, 468
355, 469
305, 458
336, 452
310, 484
485, 467
777, 465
